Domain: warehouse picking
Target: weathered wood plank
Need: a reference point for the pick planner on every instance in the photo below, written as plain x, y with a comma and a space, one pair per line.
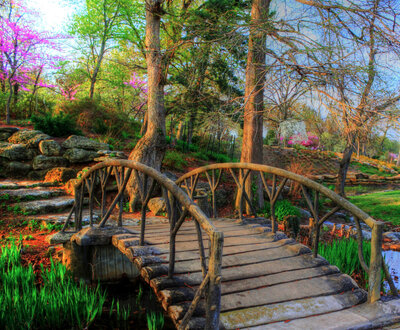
262, 315
232, 264
314, 287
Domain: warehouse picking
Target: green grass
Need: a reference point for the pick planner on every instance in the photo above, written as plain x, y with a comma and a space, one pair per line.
371, 170
58, 303
380, 205
344, 254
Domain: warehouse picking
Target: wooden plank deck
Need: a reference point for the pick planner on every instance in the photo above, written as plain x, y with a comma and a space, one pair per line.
264, 280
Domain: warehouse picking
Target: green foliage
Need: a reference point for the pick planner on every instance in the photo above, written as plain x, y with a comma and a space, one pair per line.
174, 159
344, 254
58, 303
55, 125
155, 321
270, 138
284, 208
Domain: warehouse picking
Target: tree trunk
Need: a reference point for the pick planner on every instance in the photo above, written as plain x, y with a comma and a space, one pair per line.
150, 148
343, 168
8, 105
252, 146
398, 159
179, 133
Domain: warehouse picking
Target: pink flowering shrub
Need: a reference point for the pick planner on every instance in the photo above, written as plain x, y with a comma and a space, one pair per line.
312, 142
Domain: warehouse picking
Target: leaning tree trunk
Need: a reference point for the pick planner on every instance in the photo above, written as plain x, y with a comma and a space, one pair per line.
343, 168
150, 148
252, 146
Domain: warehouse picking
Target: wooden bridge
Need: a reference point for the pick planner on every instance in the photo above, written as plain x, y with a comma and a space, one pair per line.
222, 273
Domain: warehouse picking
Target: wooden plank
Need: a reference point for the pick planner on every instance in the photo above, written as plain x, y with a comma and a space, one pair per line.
183, 254
307, 288
253, 238
263, 268
230, 286
247, 257
262, 315
275, 279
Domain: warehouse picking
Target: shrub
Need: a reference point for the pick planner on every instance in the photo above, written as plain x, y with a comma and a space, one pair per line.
174, 159
284, 208
55, 125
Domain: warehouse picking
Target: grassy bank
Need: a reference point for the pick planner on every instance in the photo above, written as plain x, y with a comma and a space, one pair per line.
380, 205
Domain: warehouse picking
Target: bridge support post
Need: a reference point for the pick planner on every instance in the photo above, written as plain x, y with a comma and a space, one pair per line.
214, 287
375, 266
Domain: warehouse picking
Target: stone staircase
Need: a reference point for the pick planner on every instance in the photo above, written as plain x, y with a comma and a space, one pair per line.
44, 201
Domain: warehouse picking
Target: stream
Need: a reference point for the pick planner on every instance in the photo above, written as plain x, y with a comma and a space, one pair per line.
392, 259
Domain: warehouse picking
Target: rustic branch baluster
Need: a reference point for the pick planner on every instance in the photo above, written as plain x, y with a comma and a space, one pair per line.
104, 175
240, 182
119, 177
213, 183
120, 193
273, 195
90, 185
146, 195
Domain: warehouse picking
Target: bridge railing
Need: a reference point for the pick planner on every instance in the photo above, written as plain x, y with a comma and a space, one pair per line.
273, 181
93, 191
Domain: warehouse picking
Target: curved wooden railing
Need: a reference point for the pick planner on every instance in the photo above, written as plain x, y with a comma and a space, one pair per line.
97, 180
273, 180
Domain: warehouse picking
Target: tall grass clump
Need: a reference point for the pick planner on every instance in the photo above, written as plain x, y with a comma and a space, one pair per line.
343, 253
58, 303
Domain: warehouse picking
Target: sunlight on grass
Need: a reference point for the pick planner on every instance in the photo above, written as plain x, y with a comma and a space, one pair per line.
381, 205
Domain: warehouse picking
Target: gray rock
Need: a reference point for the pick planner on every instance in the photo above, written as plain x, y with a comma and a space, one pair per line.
76, 155
304, 213
157, 205
4, 136
28, 137
38, 175
394, 236
366, 235
43, 162
18, 169
170, 175
81, 142
9, 130
6, 132
16, 151
49, 148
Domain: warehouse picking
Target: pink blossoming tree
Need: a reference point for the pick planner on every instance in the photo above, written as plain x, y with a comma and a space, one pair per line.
22, 50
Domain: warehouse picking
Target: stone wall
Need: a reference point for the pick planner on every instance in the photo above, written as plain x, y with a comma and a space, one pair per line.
30, 154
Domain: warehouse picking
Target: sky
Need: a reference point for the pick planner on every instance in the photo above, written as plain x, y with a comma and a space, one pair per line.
54, 13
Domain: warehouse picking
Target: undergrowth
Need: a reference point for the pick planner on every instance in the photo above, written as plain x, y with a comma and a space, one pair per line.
58, 302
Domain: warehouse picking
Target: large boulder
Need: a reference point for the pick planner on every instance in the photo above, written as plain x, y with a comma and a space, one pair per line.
76, 155
60, 174
16, 151
49, 148
43, 162
157, 205
37, 175
81, 142
18, 169
31, 138
6, 132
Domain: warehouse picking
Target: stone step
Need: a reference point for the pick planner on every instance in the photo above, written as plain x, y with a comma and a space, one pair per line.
52, 205
15, 184
29, 194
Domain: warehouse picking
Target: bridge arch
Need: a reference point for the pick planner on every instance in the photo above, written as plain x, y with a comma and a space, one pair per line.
180, 197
